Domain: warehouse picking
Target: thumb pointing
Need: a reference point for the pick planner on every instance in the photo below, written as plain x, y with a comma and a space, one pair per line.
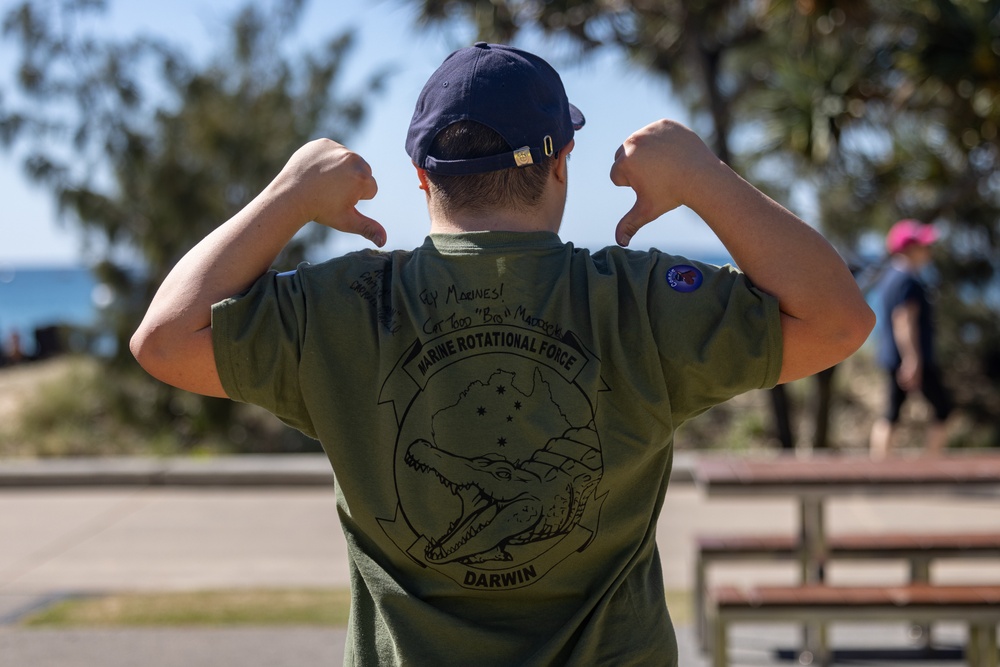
369, 228
630, 223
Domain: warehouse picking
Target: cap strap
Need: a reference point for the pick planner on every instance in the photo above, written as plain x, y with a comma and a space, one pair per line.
480, 165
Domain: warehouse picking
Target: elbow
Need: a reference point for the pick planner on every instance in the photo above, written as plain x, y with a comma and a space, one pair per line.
177, 355
868, 321
141, 347
150, 347
864, 323
855, 327
814, 346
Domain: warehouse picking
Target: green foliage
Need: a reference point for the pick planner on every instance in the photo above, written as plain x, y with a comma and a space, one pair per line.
147, 151
280, 607
254, 607
81, 410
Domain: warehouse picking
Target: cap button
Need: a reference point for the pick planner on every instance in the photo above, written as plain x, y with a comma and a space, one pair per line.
482, 45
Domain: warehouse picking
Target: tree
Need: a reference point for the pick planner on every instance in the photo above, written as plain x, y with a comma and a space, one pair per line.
943, 168
147, 151
883, 109
684, 41
907, 104
696, 44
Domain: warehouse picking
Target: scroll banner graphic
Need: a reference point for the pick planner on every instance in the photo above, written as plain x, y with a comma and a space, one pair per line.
524, 568
566, 355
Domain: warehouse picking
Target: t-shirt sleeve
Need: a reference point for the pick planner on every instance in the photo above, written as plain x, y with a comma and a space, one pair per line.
257, 338
718, 336
910, 290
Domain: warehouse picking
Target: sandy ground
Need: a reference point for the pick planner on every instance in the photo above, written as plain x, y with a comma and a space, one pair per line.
744, 423
18, 382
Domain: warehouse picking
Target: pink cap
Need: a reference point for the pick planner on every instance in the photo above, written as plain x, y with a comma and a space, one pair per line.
907, 232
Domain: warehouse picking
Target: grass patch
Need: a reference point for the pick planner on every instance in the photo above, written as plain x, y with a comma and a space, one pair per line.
681, 606
204, 608
81, 406
313, 607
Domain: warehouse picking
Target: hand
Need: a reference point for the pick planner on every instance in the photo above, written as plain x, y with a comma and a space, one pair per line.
910, 374
327, 181
657, 162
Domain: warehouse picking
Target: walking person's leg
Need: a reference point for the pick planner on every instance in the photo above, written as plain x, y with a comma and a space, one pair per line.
884, 428
938, 396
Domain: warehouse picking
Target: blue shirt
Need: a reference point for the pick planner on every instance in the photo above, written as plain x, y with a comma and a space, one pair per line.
897, 287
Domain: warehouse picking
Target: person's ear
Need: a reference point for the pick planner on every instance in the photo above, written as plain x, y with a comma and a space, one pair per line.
561, 169
422, 177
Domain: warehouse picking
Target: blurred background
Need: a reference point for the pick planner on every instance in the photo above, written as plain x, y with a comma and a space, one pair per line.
129, 130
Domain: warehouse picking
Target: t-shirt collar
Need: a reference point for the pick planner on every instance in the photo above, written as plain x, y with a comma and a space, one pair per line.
465, 243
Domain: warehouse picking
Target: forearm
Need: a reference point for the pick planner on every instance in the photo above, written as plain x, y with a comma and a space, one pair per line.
322, 181
906, 333
177, 327
824, 315
781, 254
226, 262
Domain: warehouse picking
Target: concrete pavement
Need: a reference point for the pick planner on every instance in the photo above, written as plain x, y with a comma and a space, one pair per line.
161, 647
150, 534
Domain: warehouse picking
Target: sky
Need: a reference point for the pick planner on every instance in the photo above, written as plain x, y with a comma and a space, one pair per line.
616, 99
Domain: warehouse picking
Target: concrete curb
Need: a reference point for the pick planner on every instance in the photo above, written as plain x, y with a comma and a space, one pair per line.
242, 470
246, 470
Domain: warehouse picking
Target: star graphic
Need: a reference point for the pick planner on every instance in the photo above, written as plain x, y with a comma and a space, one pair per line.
502, 441
481, 411
517, 405
510, 418
501, 390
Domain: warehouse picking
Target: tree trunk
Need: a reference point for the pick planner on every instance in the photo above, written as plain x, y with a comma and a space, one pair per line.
782, 417
824, 403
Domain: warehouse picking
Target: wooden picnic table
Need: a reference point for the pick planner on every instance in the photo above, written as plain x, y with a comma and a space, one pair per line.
812, 480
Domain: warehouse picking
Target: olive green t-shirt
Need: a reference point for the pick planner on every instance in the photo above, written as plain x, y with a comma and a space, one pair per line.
499, 411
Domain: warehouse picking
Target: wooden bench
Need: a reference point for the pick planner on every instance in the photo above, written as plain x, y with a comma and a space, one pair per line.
977, 606
918, 549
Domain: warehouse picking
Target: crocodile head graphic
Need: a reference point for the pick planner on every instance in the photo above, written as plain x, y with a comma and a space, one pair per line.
505, 502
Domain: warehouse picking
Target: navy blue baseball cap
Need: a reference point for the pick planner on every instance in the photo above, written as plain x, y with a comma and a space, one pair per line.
513, 92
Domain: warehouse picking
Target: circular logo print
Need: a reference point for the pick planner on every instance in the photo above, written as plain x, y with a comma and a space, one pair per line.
498, 460
684, 278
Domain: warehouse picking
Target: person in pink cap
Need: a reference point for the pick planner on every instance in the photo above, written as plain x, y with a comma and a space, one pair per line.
906, 346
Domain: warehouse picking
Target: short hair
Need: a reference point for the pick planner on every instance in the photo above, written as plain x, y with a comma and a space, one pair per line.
516, 188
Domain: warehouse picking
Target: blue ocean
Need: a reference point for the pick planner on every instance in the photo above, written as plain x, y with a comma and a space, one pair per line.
31, 298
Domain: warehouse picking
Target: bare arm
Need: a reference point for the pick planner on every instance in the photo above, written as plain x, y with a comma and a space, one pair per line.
906, 333
323, 181
824, 315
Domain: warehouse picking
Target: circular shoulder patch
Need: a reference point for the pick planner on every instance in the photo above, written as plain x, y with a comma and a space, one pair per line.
684, 278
